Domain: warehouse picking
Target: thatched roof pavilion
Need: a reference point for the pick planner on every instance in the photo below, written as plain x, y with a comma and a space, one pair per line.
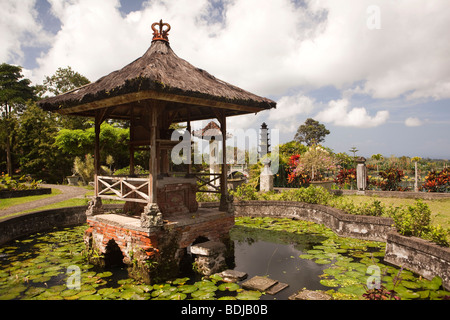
153, 92
159, 75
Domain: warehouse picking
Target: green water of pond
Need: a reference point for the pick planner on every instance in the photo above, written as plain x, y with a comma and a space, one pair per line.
302, 254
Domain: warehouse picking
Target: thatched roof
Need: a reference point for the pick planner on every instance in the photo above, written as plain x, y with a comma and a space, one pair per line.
212, 129
161, 77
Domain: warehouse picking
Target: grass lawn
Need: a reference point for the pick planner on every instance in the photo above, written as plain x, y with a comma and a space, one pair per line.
9, 202
440, 209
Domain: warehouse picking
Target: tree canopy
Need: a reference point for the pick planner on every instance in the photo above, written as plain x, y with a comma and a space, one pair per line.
64, 79
15, 91
311, 132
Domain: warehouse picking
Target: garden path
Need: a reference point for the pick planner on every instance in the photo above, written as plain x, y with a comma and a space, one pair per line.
68, 192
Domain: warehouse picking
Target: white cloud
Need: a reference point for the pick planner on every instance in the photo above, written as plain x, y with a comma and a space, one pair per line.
413, 122
266, 47
339, 114
289, 108
19, 29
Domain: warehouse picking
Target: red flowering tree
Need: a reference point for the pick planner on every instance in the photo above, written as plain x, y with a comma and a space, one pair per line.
300, 178
311, 165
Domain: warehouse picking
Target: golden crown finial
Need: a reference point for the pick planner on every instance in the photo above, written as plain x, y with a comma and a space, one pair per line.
162, 34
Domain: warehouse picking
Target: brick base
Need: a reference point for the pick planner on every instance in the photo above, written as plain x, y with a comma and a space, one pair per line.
154, 254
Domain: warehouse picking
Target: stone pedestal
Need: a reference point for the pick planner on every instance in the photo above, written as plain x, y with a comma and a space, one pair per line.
210, 257
361, 175
266, 177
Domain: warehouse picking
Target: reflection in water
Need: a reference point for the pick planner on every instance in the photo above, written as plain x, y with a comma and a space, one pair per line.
275, 254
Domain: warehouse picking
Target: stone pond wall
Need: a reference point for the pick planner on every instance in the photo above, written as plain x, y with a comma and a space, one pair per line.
22, 225
420, 256
25, 224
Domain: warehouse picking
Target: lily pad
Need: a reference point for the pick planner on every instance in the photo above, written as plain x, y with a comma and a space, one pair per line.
180, 281
329, 282
229, 286
92, 297
356, 289
177, 296
203, 295
187, 288
227, 298
104, 274
248, 295
333, 271
411, 284
322, 261
106, 291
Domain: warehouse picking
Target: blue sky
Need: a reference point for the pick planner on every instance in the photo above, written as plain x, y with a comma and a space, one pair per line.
375, 72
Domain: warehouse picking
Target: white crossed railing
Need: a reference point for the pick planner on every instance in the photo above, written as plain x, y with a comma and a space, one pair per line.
123, 188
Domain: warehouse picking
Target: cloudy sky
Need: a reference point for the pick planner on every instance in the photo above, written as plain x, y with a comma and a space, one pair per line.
375, 72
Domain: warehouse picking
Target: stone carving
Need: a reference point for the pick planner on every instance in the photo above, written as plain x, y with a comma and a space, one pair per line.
95, 207
151, 216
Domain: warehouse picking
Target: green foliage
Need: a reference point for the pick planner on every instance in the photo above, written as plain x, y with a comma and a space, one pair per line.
64, 79
437, 234
311, 194
391, 178
245, 192
84, 168
311, 132
412, 220
415, 220
24, 183
14, 93
437, 181
36, 151
113, 141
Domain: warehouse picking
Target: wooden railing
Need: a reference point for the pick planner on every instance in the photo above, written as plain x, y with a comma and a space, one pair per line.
207, 179
123, 188
136, 189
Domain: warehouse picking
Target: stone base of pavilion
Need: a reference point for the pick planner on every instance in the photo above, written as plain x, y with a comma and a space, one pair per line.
158, 253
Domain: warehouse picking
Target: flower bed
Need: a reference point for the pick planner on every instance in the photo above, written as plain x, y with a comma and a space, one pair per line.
25, 186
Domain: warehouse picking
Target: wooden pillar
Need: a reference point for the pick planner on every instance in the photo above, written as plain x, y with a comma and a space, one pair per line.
98, 122
190, 153
153, 163
132, 127
223, 178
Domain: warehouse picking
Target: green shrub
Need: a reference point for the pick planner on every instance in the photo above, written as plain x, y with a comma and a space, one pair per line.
245, 192
24, 183
412, 220
415, 220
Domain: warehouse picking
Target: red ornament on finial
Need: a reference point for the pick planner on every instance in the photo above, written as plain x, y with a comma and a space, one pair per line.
162, 34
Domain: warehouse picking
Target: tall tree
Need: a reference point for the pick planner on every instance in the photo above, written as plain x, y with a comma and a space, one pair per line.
311, 132
36, 151
15, 90
65, 79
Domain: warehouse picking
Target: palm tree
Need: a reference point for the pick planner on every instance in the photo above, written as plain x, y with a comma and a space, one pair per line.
377, 157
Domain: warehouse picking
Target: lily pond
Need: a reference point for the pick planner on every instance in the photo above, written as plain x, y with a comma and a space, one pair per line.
299, 253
